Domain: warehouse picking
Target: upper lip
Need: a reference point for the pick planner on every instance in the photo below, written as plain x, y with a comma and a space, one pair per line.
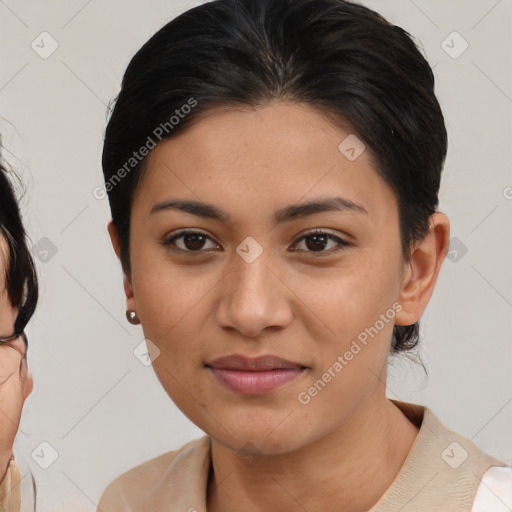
255, 364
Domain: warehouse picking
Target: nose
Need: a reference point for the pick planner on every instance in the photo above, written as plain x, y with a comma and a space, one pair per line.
254, 297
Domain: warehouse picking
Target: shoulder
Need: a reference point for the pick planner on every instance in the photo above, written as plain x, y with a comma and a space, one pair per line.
494, 491
131, 490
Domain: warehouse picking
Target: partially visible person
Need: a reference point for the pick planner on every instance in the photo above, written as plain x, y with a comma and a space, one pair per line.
18, 299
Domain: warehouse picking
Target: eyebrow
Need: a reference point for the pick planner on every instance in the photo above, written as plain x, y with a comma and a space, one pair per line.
286, 214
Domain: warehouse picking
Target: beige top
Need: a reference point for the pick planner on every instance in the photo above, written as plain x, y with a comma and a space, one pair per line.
442, 473
10, 495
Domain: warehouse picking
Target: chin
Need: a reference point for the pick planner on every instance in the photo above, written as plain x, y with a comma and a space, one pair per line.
257, 436
259, 445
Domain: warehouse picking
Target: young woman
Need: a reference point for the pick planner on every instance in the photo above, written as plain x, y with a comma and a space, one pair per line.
273, 169
18, 299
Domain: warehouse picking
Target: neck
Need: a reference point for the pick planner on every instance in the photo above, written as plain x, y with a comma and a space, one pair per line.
349, 470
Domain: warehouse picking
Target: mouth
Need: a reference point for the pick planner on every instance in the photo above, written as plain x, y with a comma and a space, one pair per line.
254, 376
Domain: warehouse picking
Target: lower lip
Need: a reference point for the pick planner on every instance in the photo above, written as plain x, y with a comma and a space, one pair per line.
255, 383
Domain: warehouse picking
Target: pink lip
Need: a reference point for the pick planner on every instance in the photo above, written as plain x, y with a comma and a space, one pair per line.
254, 376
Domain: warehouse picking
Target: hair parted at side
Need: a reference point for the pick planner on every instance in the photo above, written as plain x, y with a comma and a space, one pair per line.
338, 57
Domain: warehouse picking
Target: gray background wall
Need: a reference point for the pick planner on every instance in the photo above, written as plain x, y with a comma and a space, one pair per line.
94, 403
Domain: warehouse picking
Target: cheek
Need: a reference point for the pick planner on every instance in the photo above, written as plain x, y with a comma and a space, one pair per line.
170, 299
351, 299
11, 403
170, 302
179, 368
358, 309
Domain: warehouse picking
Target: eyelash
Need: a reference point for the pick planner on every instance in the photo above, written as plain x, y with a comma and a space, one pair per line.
342, 244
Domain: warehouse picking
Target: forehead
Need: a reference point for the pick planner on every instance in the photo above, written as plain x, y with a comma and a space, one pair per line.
262, 158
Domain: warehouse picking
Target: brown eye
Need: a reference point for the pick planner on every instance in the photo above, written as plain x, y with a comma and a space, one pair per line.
189, 241
316, 241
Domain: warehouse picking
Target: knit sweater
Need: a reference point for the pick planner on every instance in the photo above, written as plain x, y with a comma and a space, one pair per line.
10, 495
443, 473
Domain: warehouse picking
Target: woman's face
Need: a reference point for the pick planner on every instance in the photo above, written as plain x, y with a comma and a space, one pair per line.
259, 285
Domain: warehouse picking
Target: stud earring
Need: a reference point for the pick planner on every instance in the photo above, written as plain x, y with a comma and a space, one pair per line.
132, 317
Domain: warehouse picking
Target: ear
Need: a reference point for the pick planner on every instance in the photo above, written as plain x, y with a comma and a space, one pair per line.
128, 289
421, 271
